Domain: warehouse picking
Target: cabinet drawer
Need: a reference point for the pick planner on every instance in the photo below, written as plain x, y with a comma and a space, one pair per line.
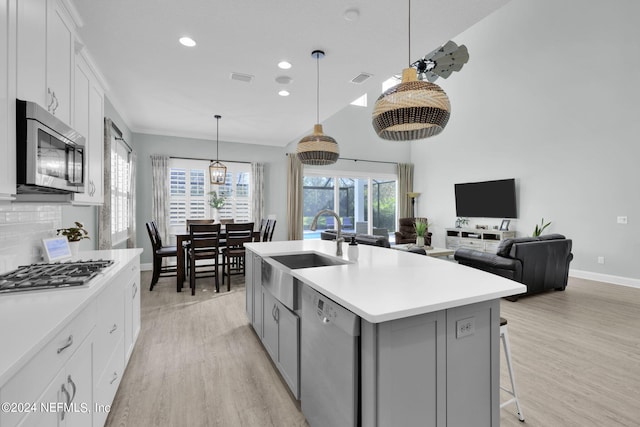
28, 382
107, 385
473, 244
109, 325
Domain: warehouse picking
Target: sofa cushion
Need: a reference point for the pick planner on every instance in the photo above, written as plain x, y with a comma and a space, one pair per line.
504, 248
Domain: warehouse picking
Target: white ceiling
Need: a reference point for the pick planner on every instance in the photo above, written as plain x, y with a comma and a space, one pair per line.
161, 87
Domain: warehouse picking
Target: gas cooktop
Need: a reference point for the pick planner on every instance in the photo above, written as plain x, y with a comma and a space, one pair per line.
51, 276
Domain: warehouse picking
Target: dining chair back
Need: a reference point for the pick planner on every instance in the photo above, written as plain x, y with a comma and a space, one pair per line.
268, 232
203, 245
160, 252
233, 255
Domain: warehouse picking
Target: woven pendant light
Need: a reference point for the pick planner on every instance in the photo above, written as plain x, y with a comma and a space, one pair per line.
217, 171
318, 149
413, 109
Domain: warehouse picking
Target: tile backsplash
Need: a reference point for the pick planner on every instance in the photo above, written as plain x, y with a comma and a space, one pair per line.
22, 228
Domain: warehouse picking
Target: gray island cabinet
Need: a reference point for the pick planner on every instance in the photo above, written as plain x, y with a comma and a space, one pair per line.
427, 346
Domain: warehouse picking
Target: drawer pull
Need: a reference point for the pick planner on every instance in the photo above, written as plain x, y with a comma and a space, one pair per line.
113, 328
67, 345
115, 377
135, 290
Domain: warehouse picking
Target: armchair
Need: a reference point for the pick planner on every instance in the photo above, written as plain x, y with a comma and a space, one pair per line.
407, 232
540, 263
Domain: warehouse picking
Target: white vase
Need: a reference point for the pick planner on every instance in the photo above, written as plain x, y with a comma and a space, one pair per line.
216, 215
420, 241
74, 246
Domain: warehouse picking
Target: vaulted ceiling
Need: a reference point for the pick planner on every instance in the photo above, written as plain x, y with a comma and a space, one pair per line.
162, 87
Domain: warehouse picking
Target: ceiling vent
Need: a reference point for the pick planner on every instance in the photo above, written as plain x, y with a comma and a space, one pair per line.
247, 78
360, 78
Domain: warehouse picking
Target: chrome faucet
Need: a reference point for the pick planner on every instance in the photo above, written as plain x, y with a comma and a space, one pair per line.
339, 239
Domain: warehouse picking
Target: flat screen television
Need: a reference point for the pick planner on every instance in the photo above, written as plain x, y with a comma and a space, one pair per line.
487, 199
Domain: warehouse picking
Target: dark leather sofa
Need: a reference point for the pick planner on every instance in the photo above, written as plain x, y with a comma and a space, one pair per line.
362, 239
540, 263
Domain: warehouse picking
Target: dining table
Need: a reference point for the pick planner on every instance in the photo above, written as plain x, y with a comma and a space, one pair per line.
182, 240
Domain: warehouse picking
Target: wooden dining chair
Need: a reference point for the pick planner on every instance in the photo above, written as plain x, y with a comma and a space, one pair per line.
186, 244
233, 255
204, 245
268, 232
160, 252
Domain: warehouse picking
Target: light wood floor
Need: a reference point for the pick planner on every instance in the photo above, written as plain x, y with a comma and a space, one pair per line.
197, 361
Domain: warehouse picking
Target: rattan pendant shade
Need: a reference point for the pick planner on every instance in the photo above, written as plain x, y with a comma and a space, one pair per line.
318, 149
413, 109
217, 171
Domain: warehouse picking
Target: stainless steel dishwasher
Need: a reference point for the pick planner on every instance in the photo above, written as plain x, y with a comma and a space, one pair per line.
329, 353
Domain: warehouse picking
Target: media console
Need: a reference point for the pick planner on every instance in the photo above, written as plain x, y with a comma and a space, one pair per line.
481, 240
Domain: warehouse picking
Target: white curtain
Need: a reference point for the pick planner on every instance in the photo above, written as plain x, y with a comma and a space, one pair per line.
294, 198
131, 198
257, 185
405, 185
104, 211
160, 191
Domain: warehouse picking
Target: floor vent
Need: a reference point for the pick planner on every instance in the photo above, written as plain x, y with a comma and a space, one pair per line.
247, 78
360, 78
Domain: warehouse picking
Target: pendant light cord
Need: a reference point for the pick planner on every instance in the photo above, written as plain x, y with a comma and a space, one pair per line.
217, 135
318, 88
409, 33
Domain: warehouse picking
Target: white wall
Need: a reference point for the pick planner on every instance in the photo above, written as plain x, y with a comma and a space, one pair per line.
549, 97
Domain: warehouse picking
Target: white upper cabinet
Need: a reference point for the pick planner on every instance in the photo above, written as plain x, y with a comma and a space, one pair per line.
45, 56
7, 99
89, 122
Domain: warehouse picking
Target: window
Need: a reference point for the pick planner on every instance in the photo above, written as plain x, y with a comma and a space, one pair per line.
365, 204
189, 192
120, 188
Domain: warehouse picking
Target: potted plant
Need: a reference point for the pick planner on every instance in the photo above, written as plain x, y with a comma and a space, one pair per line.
421, 231
216, 202
74, 235
540, 228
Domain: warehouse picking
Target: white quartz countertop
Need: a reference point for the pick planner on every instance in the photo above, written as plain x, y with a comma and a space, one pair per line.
387, 284
29, 320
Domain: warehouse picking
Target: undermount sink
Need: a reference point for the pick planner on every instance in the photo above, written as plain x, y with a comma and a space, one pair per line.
307, 260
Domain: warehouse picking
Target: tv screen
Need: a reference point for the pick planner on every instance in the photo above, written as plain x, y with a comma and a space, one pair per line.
487, 199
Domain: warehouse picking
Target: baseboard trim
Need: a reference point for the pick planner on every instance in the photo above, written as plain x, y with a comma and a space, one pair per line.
608, 278
146, 266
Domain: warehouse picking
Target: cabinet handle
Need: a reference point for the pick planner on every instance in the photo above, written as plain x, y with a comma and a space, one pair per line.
113, 328
51, 97
277, 315
115, 377
57, 104
135, 290
67, 345
73, 385
64, 390
273, 312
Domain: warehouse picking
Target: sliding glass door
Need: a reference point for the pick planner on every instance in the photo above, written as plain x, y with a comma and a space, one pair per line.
365, 204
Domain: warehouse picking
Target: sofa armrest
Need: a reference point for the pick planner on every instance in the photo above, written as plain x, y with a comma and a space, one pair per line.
492, 263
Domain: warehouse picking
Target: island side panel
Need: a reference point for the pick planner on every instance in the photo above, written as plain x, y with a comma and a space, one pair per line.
473, 365
411, 382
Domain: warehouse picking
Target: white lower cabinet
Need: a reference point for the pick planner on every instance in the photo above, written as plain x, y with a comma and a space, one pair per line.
57, 381
281, 338
73, 379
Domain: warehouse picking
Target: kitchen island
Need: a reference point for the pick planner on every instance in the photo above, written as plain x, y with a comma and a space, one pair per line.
427, 338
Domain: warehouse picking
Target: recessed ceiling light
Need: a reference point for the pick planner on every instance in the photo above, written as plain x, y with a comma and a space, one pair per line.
284, 80
351, 14
283, 93
284, 65
187, 41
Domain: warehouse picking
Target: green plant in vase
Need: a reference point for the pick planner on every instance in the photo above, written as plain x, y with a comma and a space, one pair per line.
74, 235
421, 228
217, 201
540, 228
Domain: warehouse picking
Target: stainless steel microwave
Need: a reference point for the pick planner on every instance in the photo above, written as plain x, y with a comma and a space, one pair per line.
49, 153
